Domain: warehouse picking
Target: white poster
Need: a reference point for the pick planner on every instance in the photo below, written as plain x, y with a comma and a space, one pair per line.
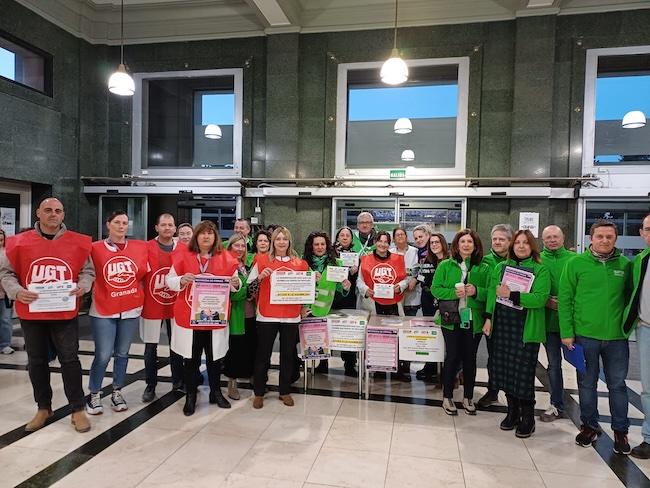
425, 344
8, 220
530, 221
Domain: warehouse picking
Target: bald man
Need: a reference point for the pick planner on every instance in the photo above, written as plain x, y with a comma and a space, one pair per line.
554, 257
50, 254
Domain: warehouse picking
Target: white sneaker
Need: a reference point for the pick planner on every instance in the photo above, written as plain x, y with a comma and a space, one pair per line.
117, 401
449, 407
468, 405
94, 404
7, 350
551, 414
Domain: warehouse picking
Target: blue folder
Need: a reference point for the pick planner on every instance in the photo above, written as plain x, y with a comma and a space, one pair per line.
576, 357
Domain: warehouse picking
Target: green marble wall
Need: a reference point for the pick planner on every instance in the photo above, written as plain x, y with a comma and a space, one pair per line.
525, 103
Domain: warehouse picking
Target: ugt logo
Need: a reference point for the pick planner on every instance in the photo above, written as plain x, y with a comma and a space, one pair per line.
120, 272
158, 287
383, 273
48, 270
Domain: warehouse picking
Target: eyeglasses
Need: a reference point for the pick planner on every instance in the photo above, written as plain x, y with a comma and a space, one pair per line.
365, 222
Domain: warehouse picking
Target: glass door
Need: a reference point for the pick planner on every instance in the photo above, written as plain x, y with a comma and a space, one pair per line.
383, 211
444, 216
626, 215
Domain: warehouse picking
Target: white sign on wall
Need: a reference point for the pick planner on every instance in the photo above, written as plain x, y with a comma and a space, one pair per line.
530, 221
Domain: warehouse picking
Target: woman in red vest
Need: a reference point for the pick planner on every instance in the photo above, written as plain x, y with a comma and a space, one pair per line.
118, 296
205, 255
273, 318
383, 268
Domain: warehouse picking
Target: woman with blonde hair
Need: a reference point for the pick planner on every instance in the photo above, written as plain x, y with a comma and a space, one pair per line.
274, 319
242, 340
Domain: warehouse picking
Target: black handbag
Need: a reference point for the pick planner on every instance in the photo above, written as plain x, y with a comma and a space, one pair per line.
449, 313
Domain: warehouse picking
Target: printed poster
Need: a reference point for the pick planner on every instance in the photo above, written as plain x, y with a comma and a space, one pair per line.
517, 279
293, 287
210, 302
314, 338
381, 349
347, 334
423, 344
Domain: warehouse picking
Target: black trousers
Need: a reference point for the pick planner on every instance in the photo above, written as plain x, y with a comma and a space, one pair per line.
202, 342
429, 306
386, 309
266, 333
65, 336
460, 348
151, 359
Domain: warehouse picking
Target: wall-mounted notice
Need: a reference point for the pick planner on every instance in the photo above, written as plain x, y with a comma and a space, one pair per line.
530, 221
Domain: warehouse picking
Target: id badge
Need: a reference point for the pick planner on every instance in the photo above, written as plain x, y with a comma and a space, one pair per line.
465, 318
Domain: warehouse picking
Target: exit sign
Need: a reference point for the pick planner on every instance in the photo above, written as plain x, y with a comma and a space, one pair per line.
397, 174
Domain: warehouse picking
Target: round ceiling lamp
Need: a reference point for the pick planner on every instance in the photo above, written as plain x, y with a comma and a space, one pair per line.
403, 125
408, 155
121, 82
212, 131
633, 120
394, 70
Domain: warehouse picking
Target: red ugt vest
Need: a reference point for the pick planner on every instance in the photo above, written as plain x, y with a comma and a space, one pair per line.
118, 285
158, 299
267, 309
387, 271
39, 260
221, 264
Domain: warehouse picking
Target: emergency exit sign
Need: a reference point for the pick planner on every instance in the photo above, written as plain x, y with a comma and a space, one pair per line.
397, 174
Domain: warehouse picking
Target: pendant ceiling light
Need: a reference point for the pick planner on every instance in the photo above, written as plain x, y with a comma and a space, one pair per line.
408, 155
394, 71
121, 82
403, 125
212, 131
633, 120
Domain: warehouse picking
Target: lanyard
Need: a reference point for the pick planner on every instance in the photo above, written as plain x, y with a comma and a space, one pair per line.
203, 266
114, 247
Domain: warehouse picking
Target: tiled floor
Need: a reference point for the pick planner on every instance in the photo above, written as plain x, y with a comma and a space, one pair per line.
324, 441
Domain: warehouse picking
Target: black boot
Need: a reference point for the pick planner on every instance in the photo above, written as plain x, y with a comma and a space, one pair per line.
322, 368
190, 404
217, 397
512, 418
526, 425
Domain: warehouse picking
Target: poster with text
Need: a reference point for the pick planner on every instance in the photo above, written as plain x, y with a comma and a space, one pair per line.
210, 302
424, 344
314, 338
347, 334
381, 349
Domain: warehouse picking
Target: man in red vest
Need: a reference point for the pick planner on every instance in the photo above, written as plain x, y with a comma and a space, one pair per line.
159, 307
49, 253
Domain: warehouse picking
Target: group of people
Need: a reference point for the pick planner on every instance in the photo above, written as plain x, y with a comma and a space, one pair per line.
594, 300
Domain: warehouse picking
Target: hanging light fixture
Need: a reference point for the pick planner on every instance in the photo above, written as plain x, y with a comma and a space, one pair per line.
633, 120
212, 131
394, 70
121, 82
403, 126
408, 155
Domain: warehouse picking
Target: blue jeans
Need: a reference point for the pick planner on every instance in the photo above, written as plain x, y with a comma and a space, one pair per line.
6, 328
554, 354
643, 341
615, 355
112, 337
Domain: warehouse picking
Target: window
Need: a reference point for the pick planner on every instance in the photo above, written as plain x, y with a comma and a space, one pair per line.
617, 83
626, 215
433, 102
622, 87
25, 65
188, 123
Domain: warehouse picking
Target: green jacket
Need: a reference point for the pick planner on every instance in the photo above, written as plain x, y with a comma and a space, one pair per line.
534, 302
490, 262
639, 269
592, 296
237, 321
443, 287
555, 262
